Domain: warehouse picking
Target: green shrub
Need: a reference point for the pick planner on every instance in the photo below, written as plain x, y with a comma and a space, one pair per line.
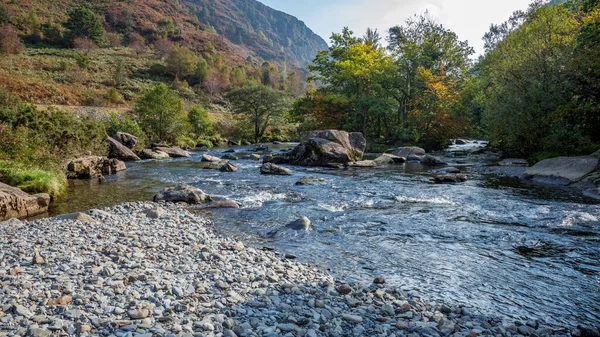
186, 142
198, 118
203, 141
123, 123
83, 61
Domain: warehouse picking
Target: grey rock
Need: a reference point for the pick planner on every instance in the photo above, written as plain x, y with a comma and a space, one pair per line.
270, 168
119, 151
228, 167
302, 224
182, 193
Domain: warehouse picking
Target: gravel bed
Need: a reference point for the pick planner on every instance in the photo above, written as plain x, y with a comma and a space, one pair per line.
148, 269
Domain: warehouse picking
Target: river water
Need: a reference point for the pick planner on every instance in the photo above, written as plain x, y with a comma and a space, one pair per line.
505, 247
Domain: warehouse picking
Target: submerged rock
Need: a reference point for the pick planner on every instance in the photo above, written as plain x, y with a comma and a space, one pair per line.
514, 162
182, 193
223, 204
14, 203
302, 224
251, 157
229, 156
309, 180
450, 178
363, 163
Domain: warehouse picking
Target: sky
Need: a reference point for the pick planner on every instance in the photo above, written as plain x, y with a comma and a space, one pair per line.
470, 19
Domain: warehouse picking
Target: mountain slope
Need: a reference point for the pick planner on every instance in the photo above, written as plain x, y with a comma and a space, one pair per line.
271, 34
238, 29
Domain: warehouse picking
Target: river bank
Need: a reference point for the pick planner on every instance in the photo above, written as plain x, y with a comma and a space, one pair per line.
147, 269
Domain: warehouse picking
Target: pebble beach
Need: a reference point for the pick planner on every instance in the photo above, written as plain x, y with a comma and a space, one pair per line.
156, 269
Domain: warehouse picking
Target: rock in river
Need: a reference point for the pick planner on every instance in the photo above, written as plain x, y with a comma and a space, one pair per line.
302, 224
210, 159
120, 151
228, 167
270, 168
323, 148
561, 170
450, 178
153, 154
182, 193
406, 151
430, 160
173, 151
92, 167
14, 203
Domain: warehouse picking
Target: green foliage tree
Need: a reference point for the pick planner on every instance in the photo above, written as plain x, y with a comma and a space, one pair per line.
527, 87
198, 118
4, 14
160, 113
260, 105
181, 61
82, 22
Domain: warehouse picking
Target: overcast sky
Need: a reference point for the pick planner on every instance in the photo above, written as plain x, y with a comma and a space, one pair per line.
470, 19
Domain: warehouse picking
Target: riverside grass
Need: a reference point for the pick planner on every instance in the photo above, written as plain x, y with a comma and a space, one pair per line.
32, 179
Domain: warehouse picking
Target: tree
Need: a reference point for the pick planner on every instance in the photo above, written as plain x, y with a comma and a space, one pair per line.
10, 43
82, 22
198, 118
181, 61
260, 105
161, 114
527, 85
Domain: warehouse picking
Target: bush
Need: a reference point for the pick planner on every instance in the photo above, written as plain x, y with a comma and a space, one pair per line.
203, 141
123, 123
83, 61
186, 142
161, 114
198, 118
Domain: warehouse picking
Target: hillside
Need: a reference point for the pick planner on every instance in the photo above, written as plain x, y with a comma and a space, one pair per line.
271, 34
239, 30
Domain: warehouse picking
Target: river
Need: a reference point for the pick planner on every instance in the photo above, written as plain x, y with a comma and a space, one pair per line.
506, 247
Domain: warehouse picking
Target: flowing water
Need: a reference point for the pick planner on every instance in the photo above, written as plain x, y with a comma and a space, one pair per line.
508, 248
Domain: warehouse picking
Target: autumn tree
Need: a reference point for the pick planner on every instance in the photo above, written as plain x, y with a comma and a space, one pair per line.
162, 48
10, 43
260, 105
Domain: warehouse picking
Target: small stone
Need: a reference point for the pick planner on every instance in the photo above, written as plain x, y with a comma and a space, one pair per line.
352, 318
155, 213
379, 280
238, 246
344, 289
37, 332
84, 328
287, 327
523, 330
229, 333
22, 311
402, 325
38, 259
290, 256
138, 314
63, 300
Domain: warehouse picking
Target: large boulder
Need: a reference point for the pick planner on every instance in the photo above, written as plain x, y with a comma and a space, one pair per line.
406, 151
270, 168
561, 170
119, 151
14, 203
92, 167
153, 154
323, 148
130, 141
173, 151
182, 193
228, 167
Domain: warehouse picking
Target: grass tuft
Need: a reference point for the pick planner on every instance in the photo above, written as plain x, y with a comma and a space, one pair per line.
33, 180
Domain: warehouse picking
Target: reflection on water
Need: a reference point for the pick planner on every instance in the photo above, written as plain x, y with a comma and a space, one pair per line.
507, 247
